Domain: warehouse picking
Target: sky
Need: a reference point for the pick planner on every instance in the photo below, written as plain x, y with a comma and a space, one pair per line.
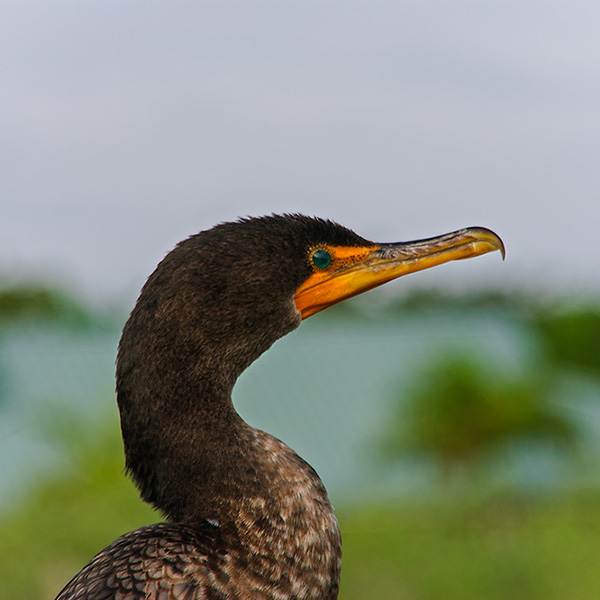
126, 126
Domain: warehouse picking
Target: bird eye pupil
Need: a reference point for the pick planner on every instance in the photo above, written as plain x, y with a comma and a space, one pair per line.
321, 259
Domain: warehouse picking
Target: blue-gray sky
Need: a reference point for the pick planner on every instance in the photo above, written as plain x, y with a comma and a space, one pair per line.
126, 126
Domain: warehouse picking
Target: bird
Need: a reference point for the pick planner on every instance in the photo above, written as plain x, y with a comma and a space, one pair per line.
246, 517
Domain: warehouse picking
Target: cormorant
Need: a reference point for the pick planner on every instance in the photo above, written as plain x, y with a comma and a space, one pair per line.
247, 518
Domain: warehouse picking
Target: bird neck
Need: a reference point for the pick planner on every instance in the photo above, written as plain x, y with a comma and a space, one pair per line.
185, 445
209, 464
182, 441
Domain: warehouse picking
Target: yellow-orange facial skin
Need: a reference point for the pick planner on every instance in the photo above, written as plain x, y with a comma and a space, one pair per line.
354, 270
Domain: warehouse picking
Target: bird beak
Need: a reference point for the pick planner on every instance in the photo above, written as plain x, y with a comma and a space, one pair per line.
354, 270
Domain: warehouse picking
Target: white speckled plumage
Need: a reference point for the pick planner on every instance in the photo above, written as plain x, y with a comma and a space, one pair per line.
293, 553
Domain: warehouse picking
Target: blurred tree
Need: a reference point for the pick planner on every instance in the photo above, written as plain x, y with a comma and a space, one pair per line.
70, 515
460, 413
36, 301
427, 300
572, 336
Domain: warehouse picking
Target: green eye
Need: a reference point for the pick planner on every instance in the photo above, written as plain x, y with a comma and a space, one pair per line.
321, 259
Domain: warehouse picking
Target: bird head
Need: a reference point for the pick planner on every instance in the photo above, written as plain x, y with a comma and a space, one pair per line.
226, 294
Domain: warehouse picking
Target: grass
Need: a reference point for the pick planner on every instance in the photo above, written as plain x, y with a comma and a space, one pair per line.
498, 550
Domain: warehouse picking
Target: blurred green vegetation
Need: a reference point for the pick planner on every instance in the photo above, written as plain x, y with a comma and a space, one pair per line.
426, 300
69, 516
507, 548
572, 337
33, 303
458, 412
27, 301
